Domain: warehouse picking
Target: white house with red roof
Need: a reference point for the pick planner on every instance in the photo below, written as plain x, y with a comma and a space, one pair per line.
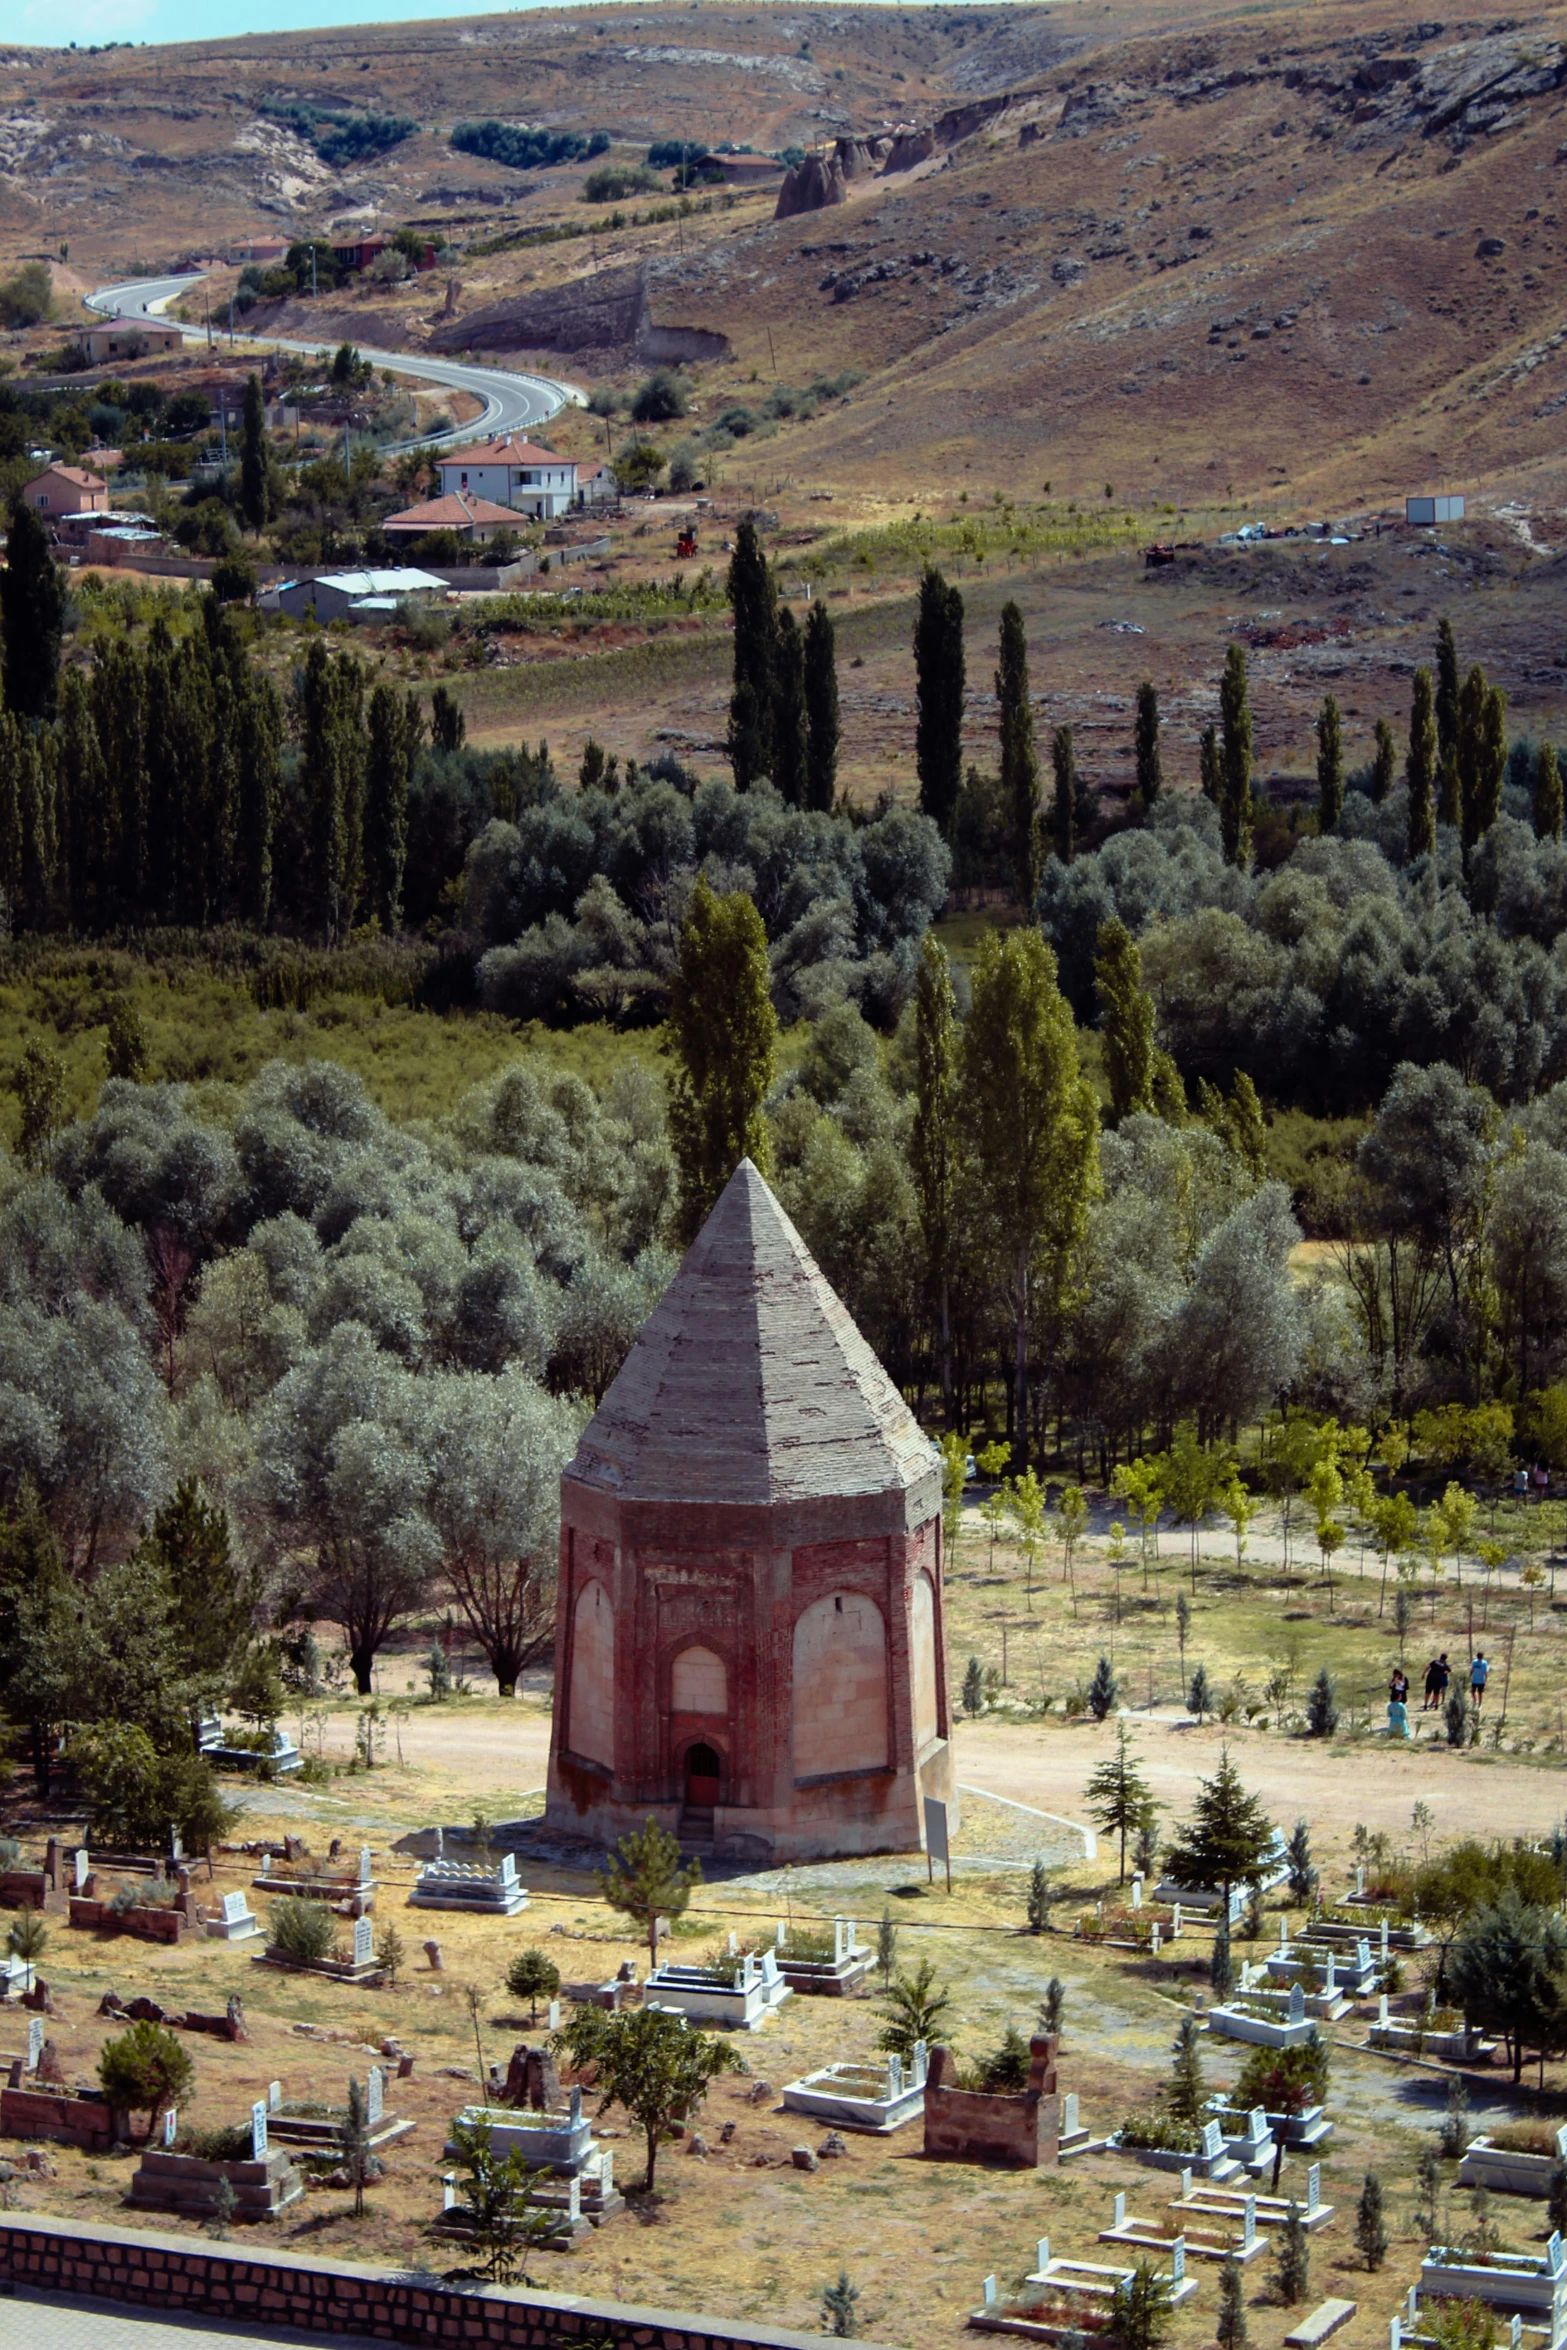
66, 489
510, 472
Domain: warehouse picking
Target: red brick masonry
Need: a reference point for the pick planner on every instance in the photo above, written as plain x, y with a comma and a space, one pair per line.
174, 2274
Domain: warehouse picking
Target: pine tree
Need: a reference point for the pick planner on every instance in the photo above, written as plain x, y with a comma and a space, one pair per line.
1228, 1834
1292, 2266
1303, 1874
1231, 2325
1188, 2091
1330, 766
448, 726
34, 801
935, 1142
1039, 1898
839, 2303
723, 1032
974, 1687
1063, 800
1199, 1698
646, 1880
396, 725
253, 501
789, 747
753, 598
939, 681
1103, 1691
1547, 794
1246, 1129
84, 804
1019, 761
1209, 771
1221, 1968
1371, 2238
1428, 2178
1446, 689
1322, 1706
886, 1945
1420, 770
32, 617
1235, 762
1117, 1795
1384, 763
1150, 774
1126, 1021
821, 709
355, 2133
1052, 2006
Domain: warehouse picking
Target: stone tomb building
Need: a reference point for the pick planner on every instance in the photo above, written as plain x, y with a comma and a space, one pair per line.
751, 1642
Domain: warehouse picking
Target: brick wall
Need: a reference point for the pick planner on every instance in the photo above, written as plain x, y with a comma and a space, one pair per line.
322, 2297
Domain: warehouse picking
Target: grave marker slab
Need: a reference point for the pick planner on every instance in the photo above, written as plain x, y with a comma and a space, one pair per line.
171, 2125
81, 1868
274, 2095
375, 2095
364, 1942
258, 2130
1297, 2004
35, 2042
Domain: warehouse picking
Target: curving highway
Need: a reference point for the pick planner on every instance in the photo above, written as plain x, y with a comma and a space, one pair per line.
512, 402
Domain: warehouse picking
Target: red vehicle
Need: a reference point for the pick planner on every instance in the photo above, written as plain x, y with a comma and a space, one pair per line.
685, 544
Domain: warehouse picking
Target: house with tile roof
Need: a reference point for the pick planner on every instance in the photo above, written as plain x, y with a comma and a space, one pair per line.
66, 489
458, 511
511, 472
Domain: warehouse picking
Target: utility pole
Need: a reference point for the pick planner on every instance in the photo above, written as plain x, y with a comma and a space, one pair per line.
312, 269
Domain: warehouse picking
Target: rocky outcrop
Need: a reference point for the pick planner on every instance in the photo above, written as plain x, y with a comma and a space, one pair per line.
811, 187
906, 148
603, 312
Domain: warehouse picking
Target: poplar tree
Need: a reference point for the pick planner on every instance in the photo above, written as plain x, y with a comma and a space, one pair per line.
119, 704
753, 599
821, 709
1019, 761
1446, 689
1126, 1020
723, 1033
1547, 794
32, 616
935, 1142
84, 807
1150, 776
939, 684
1384, 762
27, 835
1449, 788
332, 772
1034, 1130
253, 499
161, 841
259, 745
1235, 760
1420, 768
1330, 766
1481, 756
788, 770
395, 732
1063, 804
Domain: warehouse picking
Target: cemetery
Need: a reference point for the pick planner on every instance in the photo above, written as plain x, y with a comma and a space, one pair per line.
484, 1889
737, 1995
851, 2096
1516, 2160
1265, 2019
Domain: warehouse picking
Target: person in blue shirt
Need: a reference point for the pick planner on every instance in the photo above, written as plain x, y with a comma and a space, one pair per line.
1479, 1674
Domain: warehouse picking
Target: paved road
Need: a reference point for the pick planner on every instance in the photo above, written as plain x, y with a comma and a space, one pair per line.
512, 402
47, 2323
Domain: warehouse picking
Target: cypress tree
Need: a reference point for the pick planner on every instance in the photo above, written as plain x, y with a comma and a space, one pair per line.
1230, 2330
754, 601
1449, 788
448, 726
396, 725
821, 709
83, 804
161, 860
1492, 772
789, 711
1547, 794
1446, 690
119, 700
1235, 760
32, 617
723, 1033
1150, 777
1420, 769
260, 748
1371, 2237
1126, 1020
10, 811
203, 787
1063, 803
1384, 764
939, 685
332, 771
1330, 766
253, 456
1188, 2091
1481, 758
935, 1142
1019, 761
1209, 774
35, 798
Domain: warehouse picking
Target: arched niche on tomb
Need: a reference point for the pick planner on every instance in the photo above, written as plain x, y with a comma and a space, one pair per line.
922, 1647
699, 1683
840, 1688
590, 1721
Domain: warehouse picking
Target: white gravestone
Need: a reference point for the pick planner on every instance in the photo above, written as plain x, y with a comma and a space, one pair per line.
1178, 2260
1069, 2114
258, 2131
171, 2126
989, 2290
266, 1864
574, 2109
364, 1864
1118, 2216
573, 2200
81, 1868
448, 2181
1313, 2188
1137, 1893
606, 2174
554, 2015
364, 1942
1297, 2004
235, 1909
1249, 2226
35, 2042
274, 2095
1395, 2334
1156, 1944
375, 2095
1212, 2141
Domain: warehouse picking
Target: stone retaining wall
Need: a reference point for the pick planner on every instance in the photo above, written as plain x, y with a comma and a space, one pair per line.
323, 2297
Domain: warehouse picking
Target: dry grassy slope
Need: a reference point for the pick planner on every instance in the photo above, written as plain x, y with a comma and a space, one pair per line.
138, 153
1254, 256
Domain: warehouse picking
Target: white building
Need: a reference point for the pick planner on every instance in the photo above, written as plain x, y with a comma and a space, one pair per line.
351, 595
513, 473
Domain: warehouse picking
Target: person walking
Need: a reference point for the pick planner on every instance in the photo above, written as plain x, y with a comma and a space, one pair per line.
1479, 1674
1437, 1677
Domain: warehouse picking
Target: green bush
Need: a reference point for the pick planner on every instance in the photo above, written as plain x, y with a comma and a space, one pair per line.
613, 182
301, 1929
533, 1976
144, 2070
1161, 2133
231, 2144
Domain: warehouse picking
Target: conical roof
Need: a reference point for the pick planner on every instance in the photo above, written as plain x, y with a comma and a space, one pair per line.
749, 1383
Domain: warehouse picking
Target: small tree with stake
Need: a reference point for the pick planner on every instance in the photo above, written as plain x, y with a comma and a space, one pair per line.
1371, 2223
1322, 1706
1199, 1698
974, 1687
495, 2191
1292, 2262
1303, 1875
533, 1976
1118, 1797
1188, 2090
1231, 2325
887, 1946
651, 2063
1051, 2006
1038, 1899
1140, 2311
646, 1880
356, 2144
839, 2303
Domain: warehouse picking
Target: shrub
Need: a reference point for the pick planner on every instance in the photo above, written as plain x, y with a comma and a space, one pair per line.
1103, 1690
144, 2070
613, 182
228, 2144
1161, 2132
521, 148
301, 1929
28, 1937
1005, 2072
1140, 2311
1322, 1706
533, 1976
660, 399
27, 297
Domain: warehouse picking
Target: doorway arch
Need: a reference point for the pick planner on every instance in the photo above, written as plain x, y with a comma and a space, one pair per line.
704, 1766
